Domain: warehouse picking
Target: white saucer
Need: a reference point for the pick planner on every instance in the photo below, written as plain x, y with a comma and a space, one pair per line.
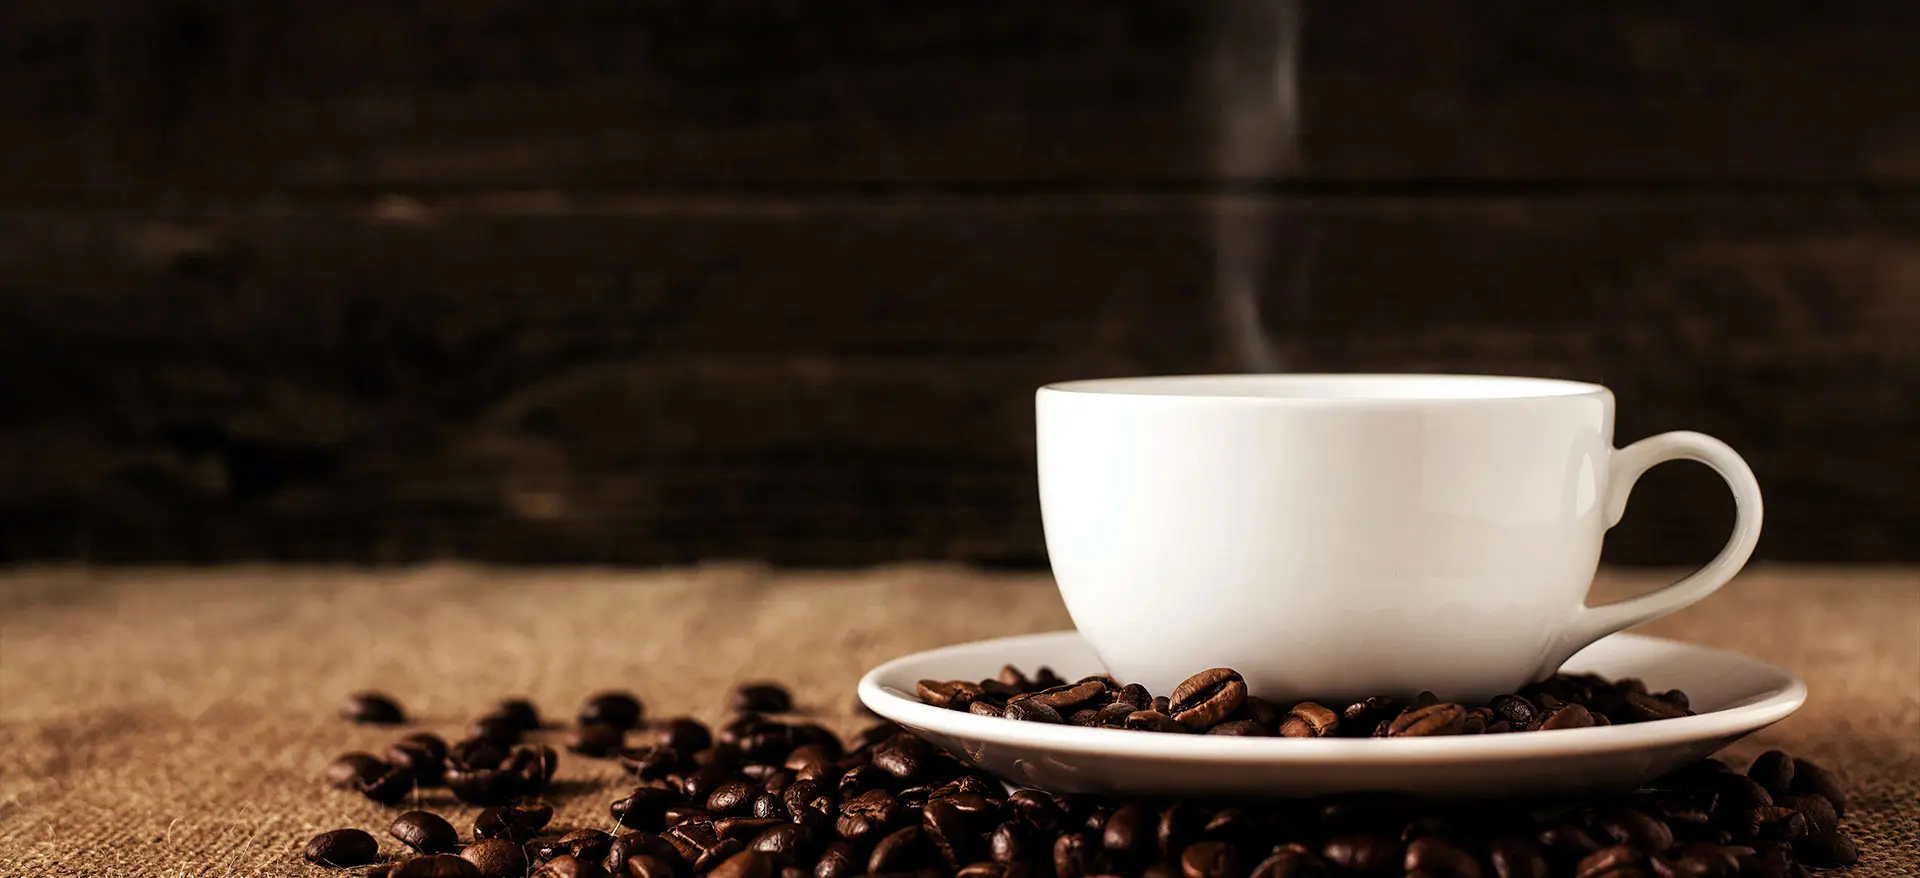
1735, 695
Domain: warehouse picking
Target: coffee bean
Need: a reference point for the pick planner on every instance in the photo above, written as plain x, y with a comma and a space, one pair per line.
515, 823
761, 698
1819, 812
1566, 716
567, 866
1205, 699
1211, 859
1133, 695
903, 756
351, 771
1309, 720
645, 808
954, 823
496, 858
682, 735
618, 709
1431, 720
1072, 856
1027, 708
1162, 704
342, 847
1129, 832
586, 844
644, 866
1239, 728
425, 832
982, 870
1286, 863
1153, 721
1113, 716
1784, 824
439, 866
1607, 861
1738, 793
1646, 708
1045, 678
837, 861
983, 708
389, 787
1515, 857
1065, 699
1513, 709
1774, 771
428, 766
1437, 856
1827, 850
745, 829
901, 851
784, 842
1261, 711
1009, 843
950, 694
1364, 854
596, 740
373, 708
746, 864
623, 849
732, 797
1811, 778
1636, 828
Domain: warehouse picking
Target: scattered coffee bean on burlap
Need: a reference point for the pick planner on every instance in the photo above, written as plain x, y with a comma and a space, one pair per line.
618, 709
342, 847
761, 698
435, 866
372, 707
351, 771
425, 832
496, 858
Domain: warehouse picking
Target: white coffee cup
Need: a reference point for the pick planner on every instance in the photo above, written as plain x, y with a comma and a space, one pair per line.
1345, 535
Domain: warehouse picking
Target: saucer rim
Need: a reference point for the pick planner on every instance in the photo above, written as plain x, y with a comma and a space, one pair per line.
1787, 696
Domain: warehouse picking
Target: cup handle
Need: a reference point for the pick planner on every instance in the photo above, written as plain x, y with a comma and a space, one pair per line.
1627, 466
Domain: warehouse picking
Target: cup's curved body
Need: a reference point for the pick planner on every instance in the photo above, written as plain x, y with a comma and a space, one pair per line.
1330, 536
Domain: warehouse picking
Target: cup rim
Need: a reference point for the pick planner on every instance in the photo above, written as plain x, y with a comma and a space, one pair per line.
1333, 389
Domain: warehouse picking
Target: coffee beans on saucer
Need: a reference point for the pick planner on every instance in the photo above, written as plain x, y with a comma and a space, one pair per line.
1216, 702
764, 798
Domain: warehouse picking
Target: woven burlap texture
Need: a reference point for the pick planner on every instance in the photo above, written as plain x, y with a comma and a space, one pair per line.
176, 722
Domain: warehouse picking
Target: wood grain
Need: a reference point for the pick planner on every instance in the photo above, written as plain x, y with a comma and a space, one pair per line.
154, 102
629, 380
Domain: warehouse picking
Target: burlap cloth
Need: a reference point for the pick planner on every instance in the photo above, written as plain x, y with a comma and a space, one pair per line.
176, 722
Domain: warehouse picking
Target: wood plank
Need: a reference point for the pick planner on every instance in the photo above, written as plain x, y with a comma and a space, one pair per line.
630, 380
127, 99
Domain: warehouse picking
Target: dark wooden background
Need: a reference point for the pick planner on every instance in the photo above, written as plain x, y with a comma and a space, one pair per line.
639, 282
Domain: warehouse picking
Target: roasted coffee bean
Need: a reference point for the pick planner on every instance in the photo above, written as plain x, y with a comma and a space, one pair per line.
1636, 828
342, 847
1515, 857
1566, 716
1153, 721
1567, 842
1608, 861
950, 694
1431, 720
955, 823
1261, 711
1286, 863
518, 712
596, 740
425, 832
1162, 704
1641, 708
837, 861
1786, 825
351, 771
617, 709
1240, 728
745, 829
1819, 812
732, 797
587, 844
1827, 850
983, 708
496, 858
1065, 699
1440, 857
746, 864
1211, 859
1231, 825
373, 708
1072, 855
645, 808
1364, 854
1738, 793
903, 756
651, 763
1113, 716
389, 787
644, 866
624, 848
443, 866
1774, 771
567, 866
515, 823
1206, 699
482, 786
982, 870
901, 851
1009, 843
1045, 678
1309, 720
768, 805
1128, 833
498, 729
1179, 825
1027, 708
1084, 718
1040, 810
761, 698
1512, 708
1811, 778
1133, 695
862, 778
429, 768
785, 841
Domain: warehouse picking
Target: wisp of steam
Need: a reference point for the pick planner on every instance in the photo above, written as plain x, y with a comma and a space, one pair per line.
1255, 102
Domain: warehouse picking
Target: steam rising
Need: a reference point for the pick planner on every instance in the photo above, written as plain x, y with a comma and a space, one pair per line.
1256, 106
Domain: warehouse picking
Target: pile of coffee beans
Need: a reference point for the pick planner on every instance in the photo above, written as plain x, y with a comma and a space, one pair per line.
1216, 702
763, 798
